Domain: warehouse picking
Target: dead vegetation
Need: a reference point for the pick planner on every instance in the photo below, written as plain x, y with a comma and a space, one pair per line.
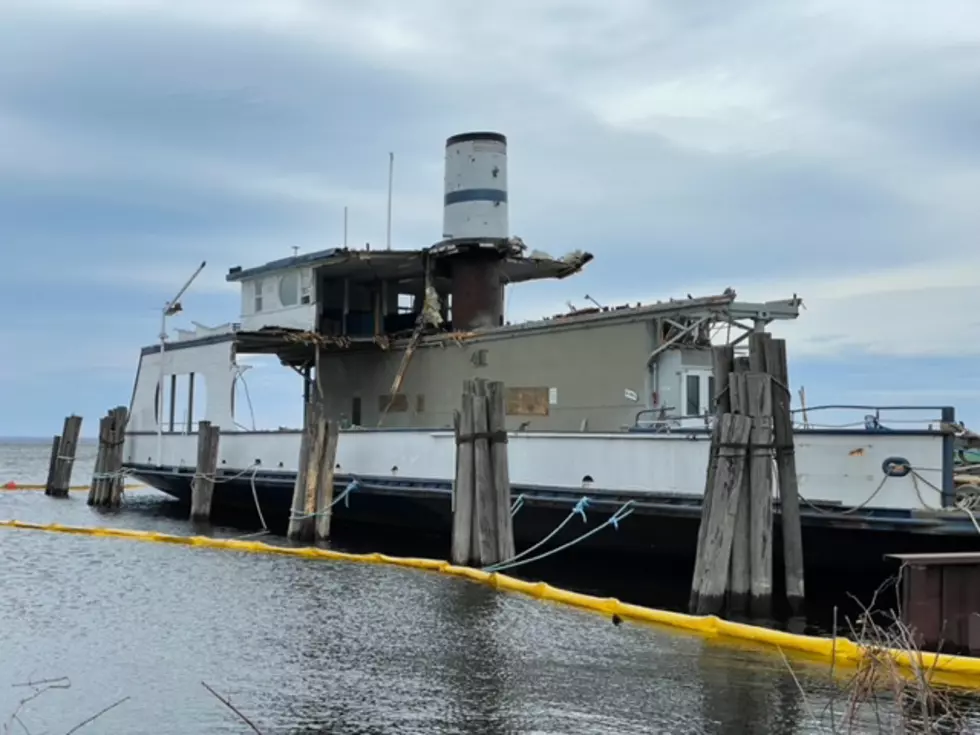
893, 689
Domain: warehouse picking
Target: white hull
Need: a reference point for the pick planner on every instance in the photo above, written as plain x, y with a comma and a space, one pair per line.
843, 467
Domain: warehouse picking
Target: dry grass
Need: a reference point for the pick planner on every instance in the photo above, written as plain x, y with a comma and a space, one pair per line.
897, 698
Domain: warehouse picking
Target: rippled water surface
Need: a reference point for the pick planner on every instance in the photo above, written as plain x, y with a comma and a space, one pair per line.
304, 646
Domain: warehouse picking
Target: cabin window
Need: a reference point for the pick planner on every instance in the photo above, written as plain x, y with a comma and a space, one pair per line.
692, 405
289, 288
306, 288
406, 303
355, 411
258, 296
711, 394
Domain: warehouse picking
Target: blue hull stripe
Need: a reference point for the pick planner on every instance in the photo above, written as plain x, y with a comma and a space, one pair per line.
476, 195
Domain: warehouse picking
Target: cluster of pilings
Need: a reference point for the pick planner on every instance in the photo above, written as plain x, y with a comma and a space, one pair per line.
107, 478
483, 532
734, 563
63, 458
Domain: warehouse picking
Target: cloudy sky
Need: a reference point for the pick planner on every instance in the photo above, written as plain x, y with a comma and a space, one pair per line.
829, 148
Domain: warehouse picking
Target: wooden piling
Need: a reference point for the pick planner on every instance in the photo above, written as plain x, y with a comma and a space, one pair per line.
202, 486
740, 574
723, 361
485, 505
789, 492
98, 473
324, 494
313, 492
118, 418
65, 459
463, 486
52, 465
759, 405
482, 526
501, 469
708, 590
108, 481
298, 507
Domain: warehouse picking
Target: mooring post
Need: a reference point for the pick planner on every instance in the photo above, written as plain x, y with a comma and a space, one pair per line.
98, 473
119, 417
202, 486
709, 590
789, 491
462, 541
723, 361
501, 471
759, 392
66, 457
324, 493
52, 465
298, 506
740, 574
484, 489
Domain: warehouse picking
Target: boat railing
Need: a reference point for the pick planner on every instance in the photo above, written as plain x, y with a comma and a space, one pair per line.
835, 417
858, 417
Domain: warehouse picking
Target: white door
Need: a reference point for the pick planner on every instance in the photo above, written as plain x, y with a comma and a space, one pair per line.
697, 393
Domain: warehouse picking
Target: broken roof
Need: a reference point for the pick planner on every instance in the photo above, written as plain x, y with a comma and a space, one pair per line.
516, 266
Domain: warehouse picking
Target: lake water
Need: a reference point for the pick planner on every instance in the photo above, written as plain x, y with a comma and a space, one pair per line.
303, 646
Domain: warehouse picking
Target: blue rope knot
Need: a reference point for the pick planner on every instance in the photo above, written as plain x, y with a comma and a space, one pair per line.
580, 507
353, 485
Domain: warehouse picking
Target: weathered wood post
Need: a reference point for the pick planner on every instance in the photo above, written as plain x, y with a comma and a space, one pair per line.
324, 493
118, 418
463, 486
485, 510
483, 531
202, 486
708, 590
52, 465
302, 521
759, 400
723, 361
789, 491
66, 457
501, 470
95, 491
740, 574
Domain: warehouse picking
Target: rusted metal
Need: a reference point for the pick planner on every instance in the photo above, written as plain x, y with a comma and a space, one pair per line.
477, 291
940, 599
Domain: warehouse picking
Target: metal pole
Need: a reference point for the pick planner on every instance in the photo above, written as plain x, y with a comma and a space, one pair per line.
345, 227
391, 176
168, 308
159, 399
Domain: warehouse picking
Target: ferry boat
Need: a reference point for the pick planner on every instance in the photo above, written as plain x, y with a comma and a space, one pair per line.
608, 403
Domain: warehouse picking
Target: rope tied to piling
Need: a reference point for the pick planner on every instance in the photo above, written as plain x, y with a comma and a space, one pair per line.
354, 484
517, 505
520, 559
494, 437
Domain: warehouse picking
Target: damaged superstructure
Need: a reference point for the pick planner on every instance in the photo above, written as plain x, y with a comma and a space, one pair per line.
392, 334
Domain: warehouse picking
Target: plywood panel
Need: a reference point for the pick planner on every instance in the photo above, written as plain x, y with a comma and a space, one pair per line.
527, 401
